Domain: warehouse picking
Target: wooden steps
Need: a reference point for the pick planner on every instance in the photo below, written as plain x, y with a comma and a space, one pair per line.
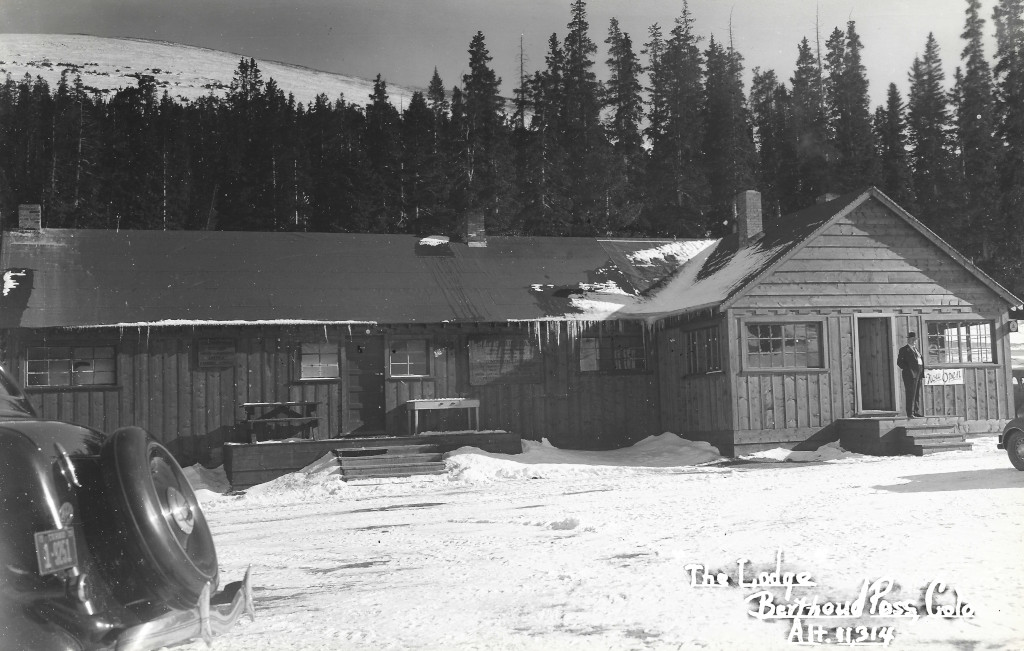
894, 436
390, 461
921, 438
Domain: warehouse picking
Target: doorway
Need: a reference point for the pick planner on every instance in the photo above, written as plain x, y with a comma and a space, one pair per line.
364, 384
875, 383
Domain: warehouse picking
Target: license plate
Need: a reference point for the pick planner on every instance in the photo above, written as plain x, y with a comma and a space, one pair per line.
56, 550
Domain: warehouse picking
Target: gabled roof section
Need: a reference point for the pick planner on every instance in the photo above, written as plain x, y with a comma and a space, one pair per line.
86, 278
726, 271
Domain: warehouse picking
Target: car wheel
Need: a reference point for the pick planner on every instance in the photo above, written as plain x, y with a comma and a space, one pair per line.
1014, 445
166, 535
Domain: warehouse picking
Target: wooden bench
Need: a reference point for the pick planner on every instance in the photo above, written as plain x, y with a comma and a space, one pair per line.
414, 407
261, 416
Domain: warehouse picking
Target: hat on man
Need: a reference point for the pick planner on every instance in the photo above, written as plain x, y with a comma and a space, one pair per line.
911, 335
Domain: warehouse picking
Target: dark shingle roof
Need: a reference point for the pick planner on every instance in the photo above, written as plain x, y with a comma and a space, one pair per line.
97, 277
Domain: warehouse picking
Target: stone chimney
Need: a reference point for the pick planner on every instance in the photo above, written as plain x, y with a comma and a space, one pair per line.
747, 205
30, 216
476, 232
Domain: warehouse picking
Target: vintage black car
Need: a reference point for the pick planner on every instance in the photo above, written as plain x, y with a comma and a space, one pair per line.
103, 544
1012, 440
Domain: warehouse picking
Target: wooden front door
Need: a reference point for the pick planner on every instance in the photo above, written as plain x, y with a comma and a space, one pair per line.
364, 385
875, 364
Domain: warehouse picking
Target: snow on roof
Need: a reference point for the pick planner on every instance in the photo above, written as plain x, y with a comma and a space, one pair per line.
681, 250
689, 289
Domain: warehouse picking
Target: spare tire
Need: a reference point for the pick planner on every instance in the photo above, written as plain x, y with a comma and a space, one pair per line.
167, 541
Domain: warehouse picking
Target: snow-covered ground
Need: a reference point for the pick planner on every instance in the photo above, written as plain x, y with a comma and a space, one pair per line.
556, 549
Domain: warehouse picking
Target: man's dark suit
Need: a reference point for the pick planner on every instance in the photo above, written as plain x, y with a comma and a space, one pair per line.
912, 366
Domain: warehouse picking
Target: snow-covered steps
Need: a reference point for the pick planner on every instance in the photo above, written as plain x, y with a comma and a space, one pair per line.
390, 461
922, 436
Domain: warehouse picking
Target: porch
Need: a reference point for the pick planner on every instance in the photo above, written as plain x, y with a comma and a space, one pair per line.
248, 464
894, 436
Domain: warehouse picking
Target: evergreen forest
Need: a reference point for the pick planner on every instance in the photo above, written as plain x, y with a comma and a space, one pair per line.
656, 149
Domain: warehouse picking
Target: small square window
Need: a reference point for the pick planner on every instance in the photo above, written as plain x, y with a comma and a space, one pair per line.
319, 361
408, 358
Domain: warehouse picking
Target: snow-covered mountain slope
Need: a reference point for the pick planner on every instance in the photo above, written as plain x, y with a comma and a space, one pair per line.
185, 72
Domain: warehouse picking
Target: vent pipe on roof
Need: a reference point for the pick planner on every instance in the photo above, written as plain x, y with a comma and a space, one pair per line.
476, 231
749, 223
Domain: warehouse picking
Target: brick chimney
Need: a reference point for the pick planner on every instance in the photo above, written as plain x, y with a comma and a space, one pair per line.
476, 232
747, 205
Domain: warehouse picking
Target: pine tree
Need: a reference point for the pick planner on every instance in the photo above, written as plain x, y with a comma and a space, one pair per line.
437, 100
928, 125
849, 112
1008, 17
624, 104
813, 145
544, 198
486, 161
381, 143
891, 145
728, 144
422, 190
677, 187
582, 136
771, 107
976, 140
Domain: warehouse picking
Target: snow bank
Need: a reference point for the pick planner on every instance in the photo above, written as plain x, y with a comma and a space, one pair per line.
208, 483
828, 452
543, 460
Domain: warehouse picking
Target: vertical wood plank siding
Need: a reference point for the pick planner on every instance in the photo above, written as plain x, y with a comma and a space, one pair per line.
866, 263
194, 410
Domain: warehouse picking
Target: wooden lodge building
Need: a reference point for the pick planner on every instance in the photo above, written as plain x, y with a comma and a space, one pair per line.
774, 336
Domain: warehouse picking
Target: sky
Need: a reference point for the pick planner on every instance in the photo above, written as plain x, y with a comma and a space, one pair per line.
588, 551
404, 40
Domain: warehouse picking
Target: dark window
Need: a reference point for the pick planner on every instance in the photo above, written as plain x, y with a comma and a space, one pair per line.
702, 350
784, 345
960, 342
613, 353
408, 358
319, 361
70, 366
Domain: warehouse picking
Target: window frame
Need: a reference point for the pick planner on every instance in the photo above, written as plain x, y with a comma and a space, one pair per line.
300, 367
608, 339
745, 360
929, 356
71, 347
690, 345
428, 348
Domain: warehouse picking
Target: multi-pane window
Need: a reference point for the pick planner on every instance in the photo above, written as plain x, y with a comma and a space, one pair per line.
319, 361
408, 358
613, 353
69, 366
702, 351
960, 342
783, 345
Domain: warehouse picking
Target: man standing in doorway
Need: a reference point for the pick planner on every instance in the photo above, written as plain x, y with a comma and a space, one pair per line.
912, 364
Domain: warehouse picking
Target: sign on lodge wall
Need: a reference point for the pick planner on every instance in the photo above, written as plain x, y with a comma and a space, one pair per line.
943, 376
503, 360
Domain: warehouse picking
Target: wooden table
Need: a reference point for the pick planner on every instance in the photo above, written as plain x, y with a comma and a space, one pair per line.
263, 415
414, 407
